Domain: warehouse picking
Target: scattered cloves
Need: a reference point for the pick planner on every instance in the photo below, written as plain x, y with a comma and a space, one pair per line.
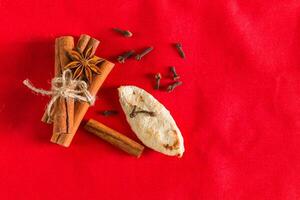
173, 86
109, 112
180, 50
125, 33
157, 79
123, 57
134, 112
146, 51
175, 75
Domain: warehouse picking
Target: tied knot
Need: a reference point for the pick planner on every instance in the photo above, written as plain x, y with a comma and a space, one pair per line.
66, 87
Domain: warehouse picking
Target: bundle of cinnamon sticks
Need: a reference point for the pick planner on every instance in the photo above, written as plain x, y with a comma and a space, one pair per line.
67, 114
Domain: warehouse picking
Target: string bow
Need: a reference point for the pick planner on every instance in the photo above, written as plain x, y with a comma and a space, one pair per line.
66, 87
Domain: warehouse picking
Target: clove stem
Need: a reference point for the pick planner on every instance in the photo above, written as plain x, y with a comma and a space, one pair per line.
173, 86
145, 52
180, 50
125, 33
134, 112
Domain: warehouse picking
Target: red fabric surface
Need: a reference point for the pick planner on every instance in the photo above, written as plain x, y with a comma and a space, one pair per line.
238, 108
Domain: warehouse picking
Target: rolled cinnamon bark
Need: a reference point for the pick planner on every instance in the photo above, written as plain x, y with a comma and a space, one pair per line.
82, 107
93, 43
115, 138
63, 121
62, 44
82, 42
63, 112
48, 118
74, 114
85, 42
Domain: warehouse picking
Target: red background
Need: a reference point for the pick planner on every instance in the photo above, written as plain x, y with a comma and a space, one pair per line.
238, 108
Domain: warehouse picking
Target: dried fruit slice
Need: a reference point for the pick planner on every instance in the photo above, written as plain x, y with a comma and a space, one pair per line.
159, 131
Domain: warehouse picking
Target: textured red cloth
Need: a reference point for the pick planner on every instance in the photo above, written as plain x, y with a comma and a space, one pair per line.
238, 108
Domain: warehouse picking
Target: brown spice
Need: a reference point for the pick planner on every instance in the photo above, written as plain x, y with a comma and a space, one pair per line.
122, 58
109, 112
85, 42
157, 81
180, 50
98, 79
63, 112
135, 112
84, 64
125, 33
115, 138
175, 75
173, 86
145, 52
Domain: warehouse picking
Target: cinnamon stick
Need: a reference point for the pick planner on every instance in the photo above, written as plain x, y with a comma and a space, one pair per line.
115, 138
93, 43
68, 42
82, 107
82, 42
48, 118
63, 116
63, 121
85, 42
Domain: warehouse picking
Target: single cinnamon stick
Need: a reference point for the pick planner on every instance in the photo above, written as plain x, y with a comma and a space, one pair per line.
93, 43
47, 118
68, 42
63, 116
82, 107
82, 42
115, 138
63, 121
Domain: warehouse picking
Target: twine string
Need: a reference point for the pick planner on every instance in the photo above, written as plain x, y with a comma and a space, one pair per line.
66, 87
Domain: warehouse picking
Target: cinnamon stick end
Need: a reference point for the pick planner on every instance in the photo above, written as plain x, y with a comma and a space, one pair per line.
82, 42
139, 153
62, 139
66, 38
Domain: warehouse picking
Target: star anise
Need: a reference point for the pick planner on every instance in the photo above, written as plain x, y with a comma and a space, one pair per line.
85, 64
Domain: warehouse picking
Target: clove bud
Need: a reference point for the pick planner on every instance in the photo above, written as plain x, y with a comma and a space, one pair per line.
109, 112
125, 33
134, 112
175, 75
173, 86
157, 79
122, 58
145, 52
180, 50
